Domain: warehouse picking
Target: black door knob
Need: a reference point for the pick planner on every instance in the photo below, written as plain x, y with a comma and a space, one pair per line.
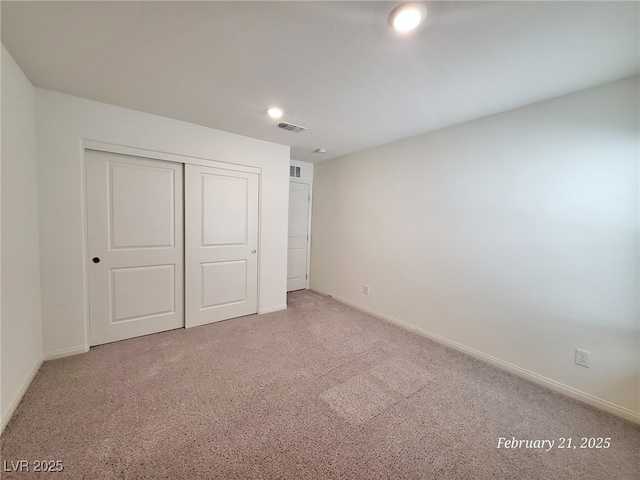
96, 260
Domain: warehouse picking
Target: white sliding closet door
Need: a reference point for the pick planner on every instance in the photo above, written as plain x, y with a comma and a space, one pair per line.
135, 245
221, 244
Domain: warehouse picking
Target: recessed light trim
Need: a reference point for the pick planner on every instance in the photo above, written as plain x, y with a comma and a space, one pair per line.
406, 17
275, 112
320, 150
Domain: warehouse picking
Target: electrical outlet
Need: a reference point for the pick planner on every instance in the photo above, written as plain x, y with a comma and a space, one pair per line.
365, 290
582, 357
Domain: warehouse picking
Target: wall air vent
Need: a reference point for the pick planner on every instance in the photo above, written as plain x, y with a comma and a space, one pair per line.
294, 171
290, 127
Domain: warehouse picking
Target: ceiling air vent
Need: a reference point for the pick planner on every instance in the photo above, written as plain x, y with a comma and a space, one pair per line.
290, 127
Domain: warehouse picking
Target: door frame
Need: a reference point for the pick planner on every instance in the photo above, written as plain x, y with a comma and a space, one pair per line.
152, 155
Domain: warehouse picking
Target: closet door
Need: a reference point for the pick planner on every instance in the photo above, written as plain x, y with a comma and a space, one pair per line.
135, 246
221, 244
298, 236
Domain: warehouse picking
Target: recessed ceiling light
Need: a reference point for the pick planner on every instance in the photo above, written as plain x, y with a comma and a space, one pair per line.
275, 112
319, 150
407, 16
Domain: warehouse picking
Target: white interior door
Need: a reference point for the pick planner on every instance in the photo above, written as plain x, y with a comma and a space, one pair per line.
135, 246
298, 239
222, 243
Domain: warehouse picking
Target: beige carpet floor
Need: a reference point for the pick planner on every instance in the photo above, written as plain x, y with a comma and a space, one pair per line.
317, 391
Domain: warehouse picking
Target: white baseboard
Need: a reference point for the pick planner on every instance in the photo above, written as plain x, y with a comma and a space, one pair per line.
66, 352
273, 309
23, 390
510, 367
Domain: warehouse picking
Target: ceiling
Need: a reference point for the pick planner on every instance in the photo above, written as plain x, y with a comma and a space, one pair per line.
334, 67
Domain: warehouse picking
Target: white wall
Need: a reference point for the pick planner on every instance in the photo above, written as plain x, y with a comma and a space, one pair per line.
514, 236
21, 315
62, 122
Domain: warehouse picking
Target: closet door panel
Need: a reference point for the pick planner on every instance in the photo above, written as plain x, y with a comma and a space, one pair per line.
221, 244
135, 235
